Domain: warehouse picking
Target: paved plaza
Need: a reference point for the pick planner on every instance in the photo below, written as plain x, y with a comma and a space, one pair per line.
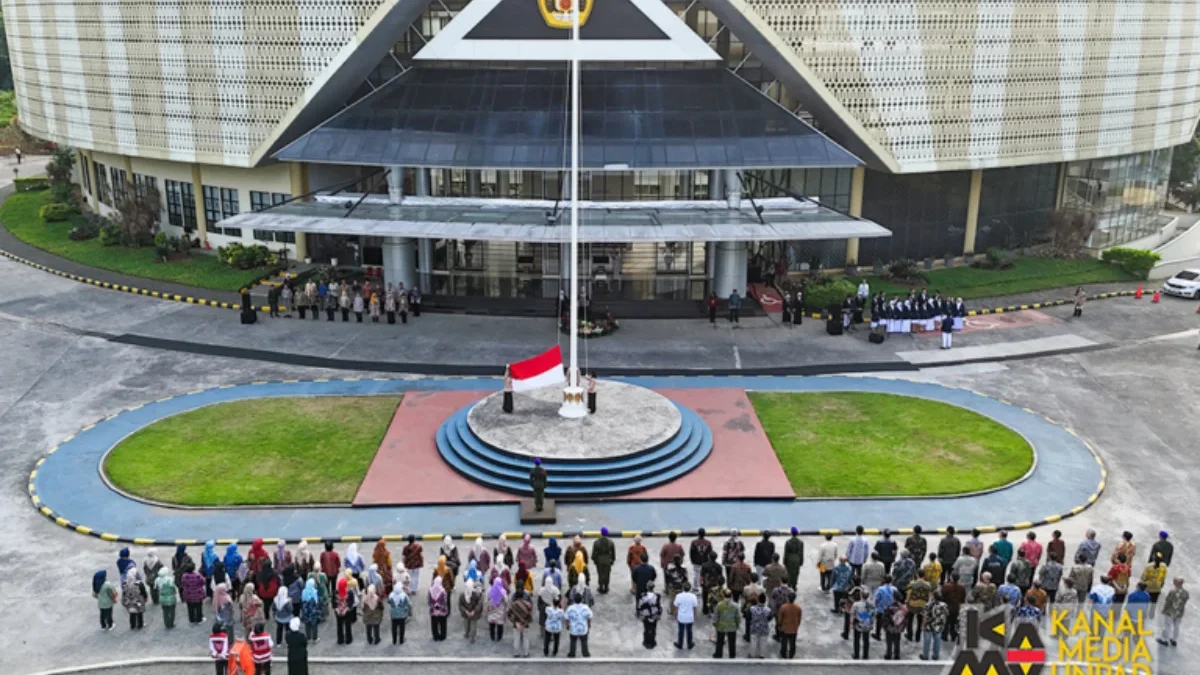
1129, 394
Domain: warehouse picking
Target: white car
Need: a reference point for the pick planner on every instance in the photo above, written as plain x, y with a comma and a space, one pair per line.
1185, 284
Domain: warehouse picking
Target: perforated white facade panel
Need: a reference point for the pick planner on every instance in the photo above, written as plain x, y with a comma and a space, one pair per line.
954, 84
186, 80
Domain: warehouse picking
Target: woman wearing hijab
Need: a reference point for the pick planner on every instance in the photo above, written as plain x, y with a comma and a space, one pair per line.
547, 595
355, 563
526, 553
282, 558
180, 563
310, 607
106, 596
372, 614
472, 574
374, 578
164, 587
470, 606
208, 559
445, 572
295, 588
578, 570
649, 610
552, 552
218, 574
575, 547
346, 608
323, 594
191, 589
233, 567
124, 562
382, 557
483, 559
150, 567
267, 586
439, 608
399, 607
523, 580
304, 560
133, 598
451, 553
502, 574
581, 594
297, 646
497, 610
223, 607
502, 555
413, 555
551, 572
251, 607
257, 557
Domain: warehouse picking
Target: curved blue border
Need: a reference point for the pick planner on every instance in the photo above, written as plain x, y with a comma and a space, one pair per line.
67, 486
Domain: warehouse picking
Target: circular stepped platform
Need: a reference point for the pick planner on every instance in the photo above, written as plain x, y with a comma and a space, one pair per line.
571, 476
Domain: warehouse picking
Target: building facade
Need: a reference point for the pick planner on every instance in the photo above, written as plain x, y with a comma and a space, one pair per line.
957, 125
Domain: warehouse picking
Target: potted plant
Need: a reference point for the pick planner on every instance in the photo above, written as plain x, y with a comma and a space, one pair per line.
969, 258
851, 267
948, 259
929, 262
878, 267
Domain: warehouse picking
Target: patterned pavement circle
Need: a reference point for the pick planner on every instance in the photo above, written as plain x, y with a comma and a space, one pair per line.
67, 487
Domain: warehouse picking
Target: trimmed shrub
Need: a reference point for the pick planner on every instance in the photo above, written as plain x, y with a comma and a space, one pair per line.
245, 257
1135, 261
905, 270
30, 184
110, 234
54, 213
829, 291
84, 229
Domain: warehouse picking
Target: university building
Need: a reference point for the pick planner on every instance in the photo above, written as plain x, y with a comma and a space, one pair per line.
431, 139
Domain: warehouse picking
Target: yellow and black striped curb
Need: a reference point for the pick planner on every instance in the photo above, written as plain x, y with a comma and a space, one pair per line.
542, 534
141, 291
1017, 308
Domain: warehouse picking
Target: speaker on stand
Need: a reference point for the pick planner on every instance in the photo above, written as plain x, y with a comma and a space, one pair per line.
248, 313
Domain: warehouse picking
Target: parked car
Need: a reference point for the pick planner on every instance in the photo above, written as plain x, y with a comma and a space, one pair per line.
1185, 284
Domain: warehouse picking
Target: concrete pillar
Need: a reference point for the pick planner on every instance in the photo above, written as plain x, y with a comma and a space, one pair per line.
710, 260
972, 211
729, 270
1062, 185
733, 190
399, 256
298, 176
857, 178
473, 182
395, 181
425, 263
716, 184
421, 182
198, 189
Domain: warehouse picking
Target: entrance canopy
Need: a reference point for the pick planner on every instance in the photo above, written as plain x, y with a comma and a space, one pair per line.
517, 119
783, 219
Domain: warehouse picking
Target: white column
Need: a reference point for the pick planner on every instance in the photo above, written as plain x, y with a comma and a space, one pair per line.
729, 269
395, 179
733, 189
399, 256
716, 184
421, 182
425, 261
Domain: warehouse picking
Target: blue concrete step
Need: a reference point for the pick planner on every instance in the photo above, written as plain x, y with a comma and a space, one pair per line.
672, 446
472, 458
581, 474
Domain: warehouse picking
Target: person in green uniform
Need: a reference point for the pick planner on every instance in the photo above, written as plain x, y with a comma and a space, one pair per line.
793, 557
537, 481
604, 554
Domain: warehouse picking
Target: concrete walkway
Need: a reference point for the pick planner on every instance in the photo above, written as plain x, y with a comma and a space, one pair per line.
1067, 477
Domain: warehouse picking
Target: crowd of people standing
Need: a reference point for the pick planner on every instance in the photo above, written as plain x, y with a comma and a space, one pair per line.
370, 298
887, 590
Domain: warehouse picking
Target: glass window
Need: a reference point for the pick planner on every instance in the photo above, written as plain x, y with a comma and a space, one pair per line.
1125, 194
102, 191
212, 208
181, 204
1015, 206
926, 212
261, 200
119, 179
143, 183
85, 174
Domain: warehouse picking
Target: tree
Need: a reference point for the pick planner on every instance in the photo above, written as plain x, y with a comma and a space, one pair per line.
1184, 162
1069, 231
137, 214
58, 174
1188, 194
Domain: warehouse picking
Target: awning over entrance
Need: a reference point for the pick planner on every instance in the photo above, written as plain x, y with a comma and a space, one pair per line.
703, 118
783, 219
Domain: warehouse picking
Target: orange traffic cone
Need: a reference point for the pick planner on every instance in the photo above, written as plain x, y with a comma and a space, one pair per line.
1155, 298
1138, 293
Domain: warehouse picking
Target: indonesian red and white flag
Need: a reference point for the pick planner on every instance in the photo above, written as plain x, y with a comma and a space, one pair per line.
543, 370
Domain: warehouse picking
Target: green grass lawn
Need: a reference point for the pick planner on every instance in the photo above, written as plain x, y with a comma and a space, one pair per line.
19, 214
1026, 275
852, 444
264, 451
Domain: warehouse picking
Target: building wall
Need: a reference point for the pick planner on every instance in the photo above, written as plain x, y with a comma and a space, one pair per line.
187, 80
938, 85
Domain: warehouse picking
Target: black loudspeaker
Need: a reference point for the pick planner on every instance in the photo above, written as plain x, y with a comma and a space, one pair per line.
877, 338
833, 325
248, 313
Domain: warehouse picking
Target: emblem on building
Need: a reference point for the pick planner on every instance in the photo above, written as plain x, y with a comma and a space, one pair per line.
557, 13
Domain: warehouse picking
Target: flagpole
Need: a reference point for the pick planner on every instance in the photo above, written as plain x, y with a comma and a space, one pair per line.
573, 405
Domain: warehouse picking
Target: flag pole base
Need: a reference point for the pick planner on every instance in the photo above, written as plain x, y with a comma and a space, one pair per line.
574, 405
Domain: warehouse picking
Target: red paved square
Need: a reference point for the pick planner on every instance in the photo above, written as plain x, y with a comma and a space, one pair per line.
407, 469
